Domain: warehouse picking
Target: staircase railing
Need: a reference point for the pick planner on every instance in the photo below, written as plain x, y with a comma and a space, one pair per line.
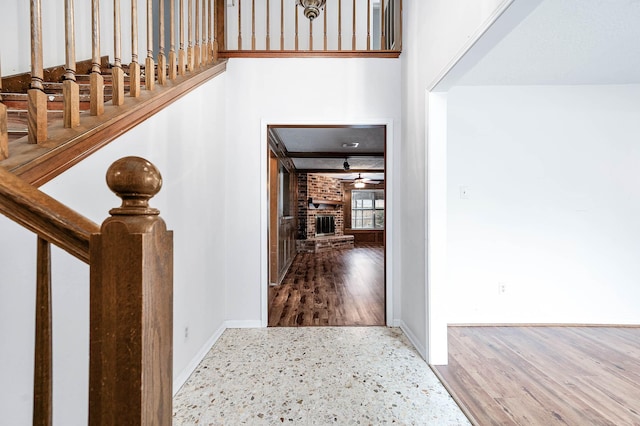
112, 88
130, 258
343, 28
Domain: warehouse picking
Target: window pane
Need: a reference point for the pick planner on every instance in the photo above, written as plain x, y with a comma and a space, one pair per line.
367, 204
379, 218
379, 204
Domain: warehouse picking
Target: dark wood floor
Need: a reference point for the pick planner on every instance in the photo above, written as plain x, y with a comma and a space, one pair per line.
339, 287
545, 375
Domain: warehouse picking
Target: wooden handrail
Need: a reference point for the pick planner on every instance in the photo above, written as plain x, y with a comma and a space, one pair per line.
45, 216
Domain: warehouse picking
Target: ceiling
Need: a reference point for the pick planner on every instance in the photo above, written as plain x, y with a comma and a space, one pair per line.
566, 42
324, 149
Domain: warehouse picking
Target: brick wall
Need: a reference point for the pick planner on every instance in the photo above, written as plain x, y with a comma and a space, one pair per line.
316, 186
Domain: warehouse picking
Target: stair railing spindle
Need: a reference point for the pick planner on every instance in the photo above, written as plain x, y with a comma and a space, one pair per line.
37, 100
368, 24
196, 51
253, 24
325, 26
96, 79
310, 35
190, 49
210, 31
339, 24
353, 37
70, 89
134, 66
296, 30
162, 59
173, 71
205, 43
182, 60
117, 74
239, 24
281, 24
42, 375
268, 39
149, 65
382, 37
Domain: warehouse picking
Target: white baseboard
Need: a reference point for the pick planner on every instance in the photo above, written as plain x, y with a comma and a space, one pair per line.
413, 339
182, 378
243, 324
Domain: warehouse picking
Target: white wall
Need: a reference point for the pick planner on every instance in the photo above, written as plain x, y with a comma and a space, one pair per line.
186, 142
553, 206
288, 91
435, 32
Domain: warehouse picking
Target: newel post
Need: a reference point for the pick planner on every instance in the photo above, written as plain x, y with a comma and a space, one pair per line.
131, 306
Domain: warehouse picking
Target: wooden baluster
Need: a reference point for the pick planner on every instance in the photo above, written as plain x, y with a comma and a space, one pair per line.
134, 66
239, 24
268, 39
70, 89
173, 71
4, 131
190, 49
196, 50
162, 59
340, 24
210, 32
220, 42
368, 24
150, 63
131, 305
42, 376
204, 48
310, 35
182, 59
253, 24
296, 30
382, 37
325, 27
353, 37
117, 74
96, 80
37, 99
281, 24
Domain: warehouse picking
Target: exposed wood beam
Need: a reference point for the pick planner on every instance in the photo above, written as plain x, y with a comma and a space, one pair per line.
350, 171
334, 154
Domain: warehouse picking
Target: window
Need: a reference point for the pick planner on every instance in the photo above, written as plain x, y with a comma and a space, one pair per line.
367, 209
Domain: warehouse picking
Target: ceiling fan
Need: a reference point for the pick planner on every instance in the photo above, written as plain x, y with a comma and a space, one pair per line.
359, 181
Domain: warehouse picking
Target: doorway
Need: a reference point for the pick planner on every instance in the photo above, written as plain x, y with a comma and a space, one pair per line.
327, 225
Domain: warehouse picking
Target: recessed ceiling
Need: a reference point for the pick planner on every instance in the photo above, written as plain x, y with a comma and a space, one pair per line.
324, 149
566, 42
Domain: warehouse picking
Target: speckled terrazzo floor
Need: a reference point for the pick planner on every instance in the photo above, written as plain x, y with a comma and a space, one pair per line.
314, 376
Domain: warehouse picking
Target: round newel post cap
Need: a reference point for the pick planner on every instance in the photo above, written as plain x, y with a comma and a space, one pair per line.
135, 180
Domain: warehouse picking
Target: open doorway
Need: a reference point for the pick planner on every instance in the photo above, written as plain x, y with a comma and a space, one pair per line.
326, 225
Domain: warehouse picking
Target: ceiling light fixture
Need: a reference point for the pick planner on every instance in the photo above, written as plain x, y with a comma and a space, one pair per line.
311, 7
351, 145
358, 182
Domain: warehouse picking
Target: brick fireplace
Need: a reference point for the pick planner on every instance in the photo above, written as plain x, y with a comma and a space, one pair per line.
312, 190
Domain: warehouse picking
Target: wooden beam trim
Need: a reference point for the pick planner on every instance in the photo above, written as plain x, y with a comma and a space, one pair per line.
334, 154
347, 172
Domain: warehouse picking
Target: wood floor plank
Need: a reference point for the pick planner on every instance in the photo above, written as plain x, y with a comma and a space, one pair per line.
545, 375
331, 288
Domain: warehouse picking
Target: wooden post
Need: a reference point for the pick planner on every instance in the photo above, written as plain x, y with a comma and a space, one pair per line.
96, 79
70, 89
42, 376
131, 305
150, 63
134, 66
117, 73
4, 131
37, 99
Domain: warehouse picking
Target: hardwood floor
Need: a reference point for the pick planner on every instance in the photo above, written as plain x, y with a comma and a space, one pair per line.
339, 287
545, 375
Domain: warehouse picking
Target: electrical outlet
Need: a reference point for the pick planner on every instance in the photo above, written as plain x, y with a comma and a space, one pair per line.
502, 288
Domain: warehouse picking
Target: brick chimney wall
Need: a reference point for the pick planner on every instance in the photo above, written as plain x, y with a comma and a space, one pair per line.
318, 187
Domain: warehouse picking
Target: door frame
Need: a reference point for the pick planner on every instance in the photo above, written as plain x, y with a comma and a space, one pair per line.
390, 196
